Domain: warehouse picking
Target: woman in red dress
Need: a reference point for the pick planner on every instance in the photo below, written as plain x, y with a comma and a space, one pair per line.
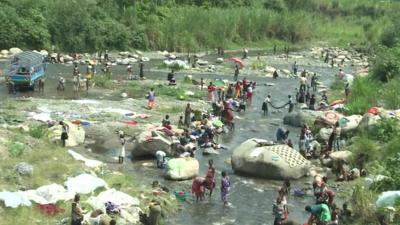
210, 180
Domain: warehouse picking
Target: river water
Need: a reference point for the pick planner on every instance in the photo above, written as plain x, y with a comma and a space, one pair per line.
251, 198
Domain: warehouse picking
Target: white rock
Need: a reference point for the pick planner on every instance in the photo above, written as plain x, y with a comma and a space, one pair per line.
14, 51
124, 95
4, 52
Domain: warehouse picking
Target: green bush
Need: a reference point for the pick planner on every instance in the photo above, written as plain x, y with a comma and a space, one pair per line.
16, 149
393, 172
37, 131
102, 81
363, 144
364, 95
275, 5
391, 94
386, 64
385, 130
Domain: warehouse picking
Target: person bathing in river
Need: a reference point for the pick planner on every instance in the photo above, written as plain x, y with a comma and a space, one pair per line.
278, 211
160, 156
320, 214
225, 188
210, 177
198, 188
236, 74
275, 75
311, 105
238, 90
211, 92
314, 80
295, 68
265, 104
290, 103
249, 93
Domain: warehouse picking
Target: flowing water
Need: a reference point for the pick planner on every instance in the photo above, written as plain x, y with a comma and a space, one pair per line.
251, 198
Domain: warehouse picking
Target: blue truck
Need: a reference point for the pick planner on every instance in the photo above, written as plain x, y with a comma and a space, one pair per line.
25, 70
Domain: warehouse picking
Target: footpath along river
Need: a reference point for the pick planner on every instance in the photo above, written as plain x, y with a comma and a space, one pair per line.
251, 198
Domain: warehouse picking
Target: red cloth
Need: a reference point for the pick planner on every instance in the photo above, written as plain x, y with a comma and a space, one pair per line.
249, 95
49, 209
211, 88
373, 110
132, 123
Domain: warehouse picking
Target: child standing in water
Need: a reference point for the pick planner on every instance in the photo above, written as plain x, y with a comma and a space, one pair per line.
225, 187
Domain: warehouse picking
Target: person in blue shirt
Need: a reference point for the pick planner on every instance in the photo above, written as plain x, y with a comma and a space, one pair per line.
282, 135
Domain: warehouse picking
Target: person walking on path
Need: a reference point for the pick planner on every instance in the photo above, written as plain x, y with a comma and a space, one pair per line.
225, 188
64, 133
122, 140
151, 97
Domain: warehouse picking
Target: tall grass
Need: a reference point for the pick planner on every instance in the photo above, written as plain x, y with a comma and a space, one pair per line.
365, 92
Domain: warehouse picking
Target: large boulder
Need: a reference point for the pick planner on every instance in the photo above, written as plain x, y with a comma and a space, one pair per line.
76, 134
182, 168
341, 156
24, 169
324, 134
350, 123
329, 118
368, 121
297, 119
271, 162
151, 141
14, 51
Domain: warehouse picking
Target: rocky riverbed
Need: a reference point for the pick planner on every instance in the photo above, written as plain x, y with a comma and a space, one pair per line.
101, 112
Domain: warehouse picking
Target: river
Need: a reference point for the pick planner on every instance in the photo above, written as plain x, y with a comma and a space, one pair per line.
251, 198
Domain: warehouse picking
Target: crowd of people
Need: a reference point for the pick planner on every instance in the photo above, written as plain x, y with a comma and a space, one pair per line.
201, 129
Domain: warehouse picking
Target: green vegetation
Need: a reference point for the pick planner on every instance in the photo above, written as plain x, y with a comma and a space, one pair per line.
178, 92
102, 81
364, 95
187, 25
